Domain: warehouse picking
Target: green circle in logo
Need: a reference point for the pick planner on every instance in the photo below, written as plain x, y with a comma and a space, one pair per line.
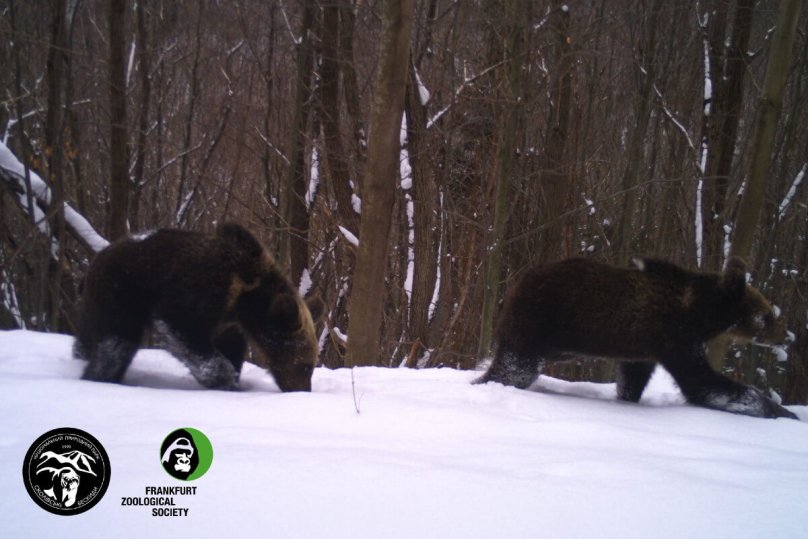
186, 454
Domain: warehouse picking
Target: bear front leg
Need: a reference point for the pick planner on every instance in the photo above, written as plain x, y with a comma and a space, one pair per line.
512, 369
233, 346
207, 364
632, 377
702, 386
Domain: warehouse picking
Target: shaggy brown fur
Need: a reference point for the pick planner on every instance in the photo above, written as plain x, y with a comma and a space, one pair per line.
207, 295
658, 312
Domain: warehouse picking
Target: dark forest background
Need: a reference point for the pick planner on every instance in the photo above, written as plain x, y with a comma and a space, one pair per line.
533, 131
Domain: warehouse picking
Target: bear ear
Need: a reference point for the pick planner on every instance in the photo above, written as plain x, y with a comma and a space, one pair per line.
735, 263
284, 312
316, 307
734, 279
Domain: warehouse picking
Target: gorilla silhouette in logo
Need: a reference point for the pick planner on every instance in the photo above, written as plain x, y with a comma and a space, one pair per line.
179, 454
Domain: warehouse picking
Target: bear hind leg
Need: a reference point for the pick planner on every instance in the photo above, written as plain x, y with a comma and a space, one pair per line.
107, 360
632, 377
512, 369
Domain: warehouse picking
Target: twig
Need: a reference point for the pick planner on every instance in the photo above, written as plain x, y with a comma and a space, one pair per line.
353, 390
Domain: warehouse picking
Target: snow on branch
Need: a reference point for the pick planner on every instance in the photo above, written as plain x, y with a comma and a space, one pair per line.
348, 235
12, 172
673, 118
781, 212
467, 83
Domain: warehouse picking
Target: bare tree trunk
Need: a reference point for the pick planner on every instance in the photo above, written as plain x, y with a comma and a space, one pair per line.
556, 176
634, 165
335, 155
425, 203
54, 149
185, 160
378, 190
766, 118
351, 88
502, 173
728, 73
295, 246
144, 68
119, 153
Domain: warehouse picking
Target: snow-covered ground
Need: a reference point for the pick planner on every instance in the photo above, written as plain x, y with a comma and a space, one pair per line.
429, 455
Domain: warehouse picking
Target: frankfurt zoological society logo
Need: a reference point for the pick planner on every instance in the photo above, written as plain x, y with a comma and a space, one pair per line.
186, 454
66, 471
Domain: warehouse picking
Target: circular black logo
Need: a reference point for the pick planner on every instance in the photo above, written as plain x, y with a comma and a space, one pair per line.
66, 471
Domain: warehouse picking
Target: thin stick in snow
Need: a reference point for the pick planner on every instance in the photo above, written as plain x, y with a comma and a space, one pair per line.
353, 392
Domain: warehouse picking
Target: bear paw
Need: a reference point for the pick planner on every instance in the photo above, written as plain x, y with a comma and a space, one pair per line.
751, 401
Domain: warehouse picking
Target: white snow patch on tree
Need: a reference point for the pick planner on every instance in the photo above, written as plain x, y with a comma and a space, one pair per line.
423, 92
348, 235
314, 177
305, 282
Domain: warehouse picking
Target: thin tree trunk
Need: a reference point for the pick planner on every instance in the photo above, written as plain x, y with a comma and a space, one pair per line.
54, 149
424, 201
335, 155
119, 153
378, 190
726, 113
144, 67
185, 161
634, 166
503, 171
556, 176
766, 117
295, 246
351, 88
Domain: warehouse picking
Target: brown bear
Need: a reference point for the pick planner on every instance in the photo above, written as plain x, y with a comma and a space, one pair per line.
656, 312
207, 295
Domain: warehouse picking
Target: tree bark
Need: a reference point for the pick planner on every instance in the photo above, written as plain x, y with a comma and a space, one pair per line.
424, 196
378, 190
502, 174
144, 69
727, 76
295, 212
556, 177
766, 117
335, 155
119, 152
634, 165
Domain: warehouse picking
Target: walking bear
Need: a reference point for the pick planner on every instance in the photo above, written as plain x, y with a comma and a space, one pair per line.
208, 295
658, 312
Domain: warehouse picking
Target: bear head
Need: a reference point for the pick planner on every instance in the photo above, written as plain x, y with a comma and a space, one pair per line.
281, 325
756, 320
